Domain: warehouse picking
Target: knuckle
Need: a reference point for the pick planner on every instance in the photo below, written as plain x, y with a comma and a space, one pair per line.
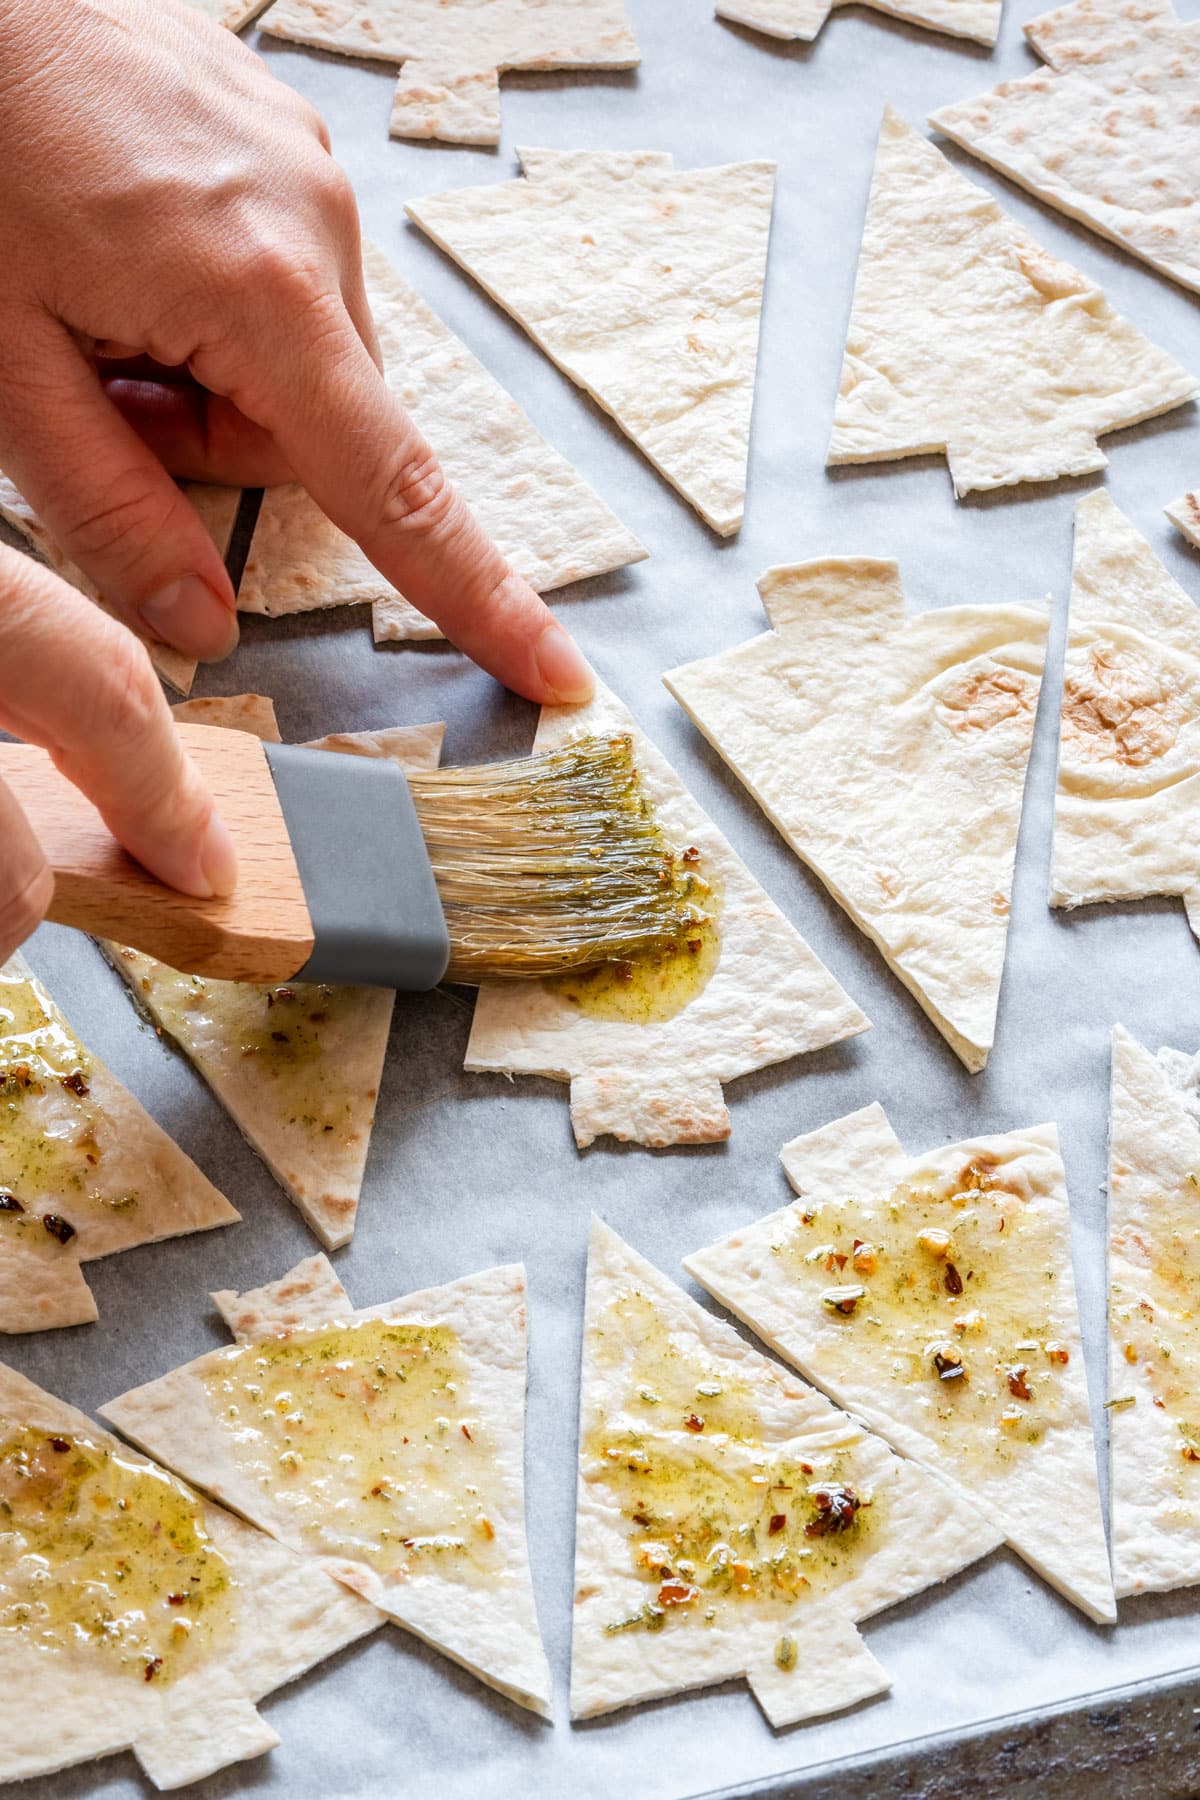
123, 708
418, 498
333, 191
23, 904
121, 522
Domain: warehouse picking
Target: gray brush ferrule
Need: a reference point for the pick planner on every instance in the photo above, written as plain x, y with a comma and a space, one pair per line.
376, 915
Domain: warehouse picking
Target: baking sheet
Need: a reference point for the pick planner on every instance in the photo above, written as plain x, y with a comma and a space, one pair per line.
467, 1171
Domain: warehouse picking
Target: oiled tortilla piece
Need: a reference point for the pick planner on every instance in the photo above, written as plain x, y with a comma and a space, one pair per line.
489, 1625
967, 338
846, 702
217, 508
550, 525
659, 1082
78, 1150
1110, 133
803, 19
454, 51
1016, 1454
1127, 810
1154, 1317
644, 284
304, 1100
1185, 514
60, 1706
720, 1425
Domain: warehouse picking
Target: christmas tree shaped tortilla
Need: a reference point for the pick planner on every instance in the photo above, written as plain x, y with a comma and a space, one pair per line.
1154, 1317
296, 1066
1110, 133
386, 1445
803, 19
967, 338
1127, 811
934, 1297
454, 51
846, 700
646, 1050
644, 284
84, 1169
730, 1520
136, 1615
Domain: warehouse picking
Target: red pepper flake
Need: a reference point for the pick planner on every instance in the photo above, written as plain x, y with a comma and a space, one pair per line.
694, 1423
280, 1037
677, 1593
59, 1444
806, 1468
1058, 1353
1018, 1387
1002, 1221
10, 1203
840, 1260
58, 1227
176, 1599
1189, 1452
466, 1434
949, 1363
76, 1084
639, 1518
152, 1667
778, 1521
954, 1281
837, 1508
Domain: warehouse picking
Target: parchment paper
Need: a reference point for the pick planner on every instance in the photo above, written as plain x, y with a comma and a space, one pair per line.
468, 1171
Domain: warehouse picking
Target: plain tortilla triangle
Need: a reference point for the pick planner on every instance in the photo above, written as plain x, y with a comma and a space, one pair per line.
82, 1153
803, 19
660, 1082
847, 1175
846, 697
644, 284
289, 1618
967, 338
803, 1656
1110, 133
490, 1629
1154, 1315
454, 54
306, 1100
1127, 810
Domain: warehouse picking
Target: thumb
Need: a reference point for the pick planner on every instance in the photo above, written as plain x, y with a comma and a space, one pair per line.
105, 497
26, 883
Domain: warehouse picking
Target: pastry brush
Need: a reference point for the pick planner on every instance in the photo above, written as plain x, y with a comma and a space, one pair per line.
352, 871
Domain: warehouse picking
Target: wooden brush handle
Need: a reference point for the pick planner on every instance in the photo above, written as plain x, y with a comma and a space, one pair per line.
262, 932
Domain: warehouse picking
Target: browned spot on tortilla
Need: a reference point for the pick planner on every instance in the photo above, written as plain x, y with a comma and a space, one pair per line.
985, 698
1117, 710
585, 1593
1000, 904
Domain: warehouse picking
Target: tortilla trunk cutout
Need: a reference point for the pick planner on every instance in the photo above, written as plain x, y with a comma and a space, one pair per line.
296, 1066
1127, 810
1184, 513
210, 1614
453, 52
1110, 132
848, 701
803, 19
760, 995
730, 1520
934, 1298
967, 338
84, 1169
644, 284
414, 1496
1154, 1317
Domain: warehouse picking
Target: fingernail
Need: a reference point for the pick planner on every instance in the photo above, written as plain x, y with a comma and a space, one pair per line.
563, 667
218, 858
189, 615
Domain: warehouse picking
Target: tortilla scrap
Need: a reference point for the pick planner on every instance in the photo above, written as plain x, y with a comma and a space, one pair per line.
803, 19
233, 13
1185, 514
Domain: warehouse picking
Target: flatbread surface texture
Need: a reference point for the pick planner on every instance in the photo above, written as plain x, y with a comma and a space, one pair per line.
731, 1521
232, 13
186, 1709
803, 19
967, 338
934, 1297
1110, 132
846, 701
414, 1500
84, 1170
1185, 514
454, 51
654, 1076
1127, 809
644, 284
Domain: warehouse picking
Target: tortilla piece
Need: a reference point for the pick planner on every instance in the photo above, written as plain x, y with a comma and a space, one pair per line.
967, 338
845, 698
1127, 810
640, 1071
266, 1615
1110, 134
803, 19
233, 13
1185, 514
1153, 1321
475, 1601
889, 1272
453, 52
833, 1526
644, 284
305, 1102
84, 1169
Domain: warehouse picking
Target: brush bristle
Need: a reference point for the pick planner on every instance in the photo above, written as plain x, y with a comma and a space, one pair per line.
553, 862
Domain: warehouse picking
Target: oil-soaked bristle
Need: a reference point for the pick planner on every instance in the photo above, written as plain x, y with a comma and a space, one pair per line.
552, 862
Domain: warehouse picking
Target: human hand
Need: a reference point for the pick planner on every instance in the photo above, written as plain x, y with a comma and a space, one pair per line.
170, 209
